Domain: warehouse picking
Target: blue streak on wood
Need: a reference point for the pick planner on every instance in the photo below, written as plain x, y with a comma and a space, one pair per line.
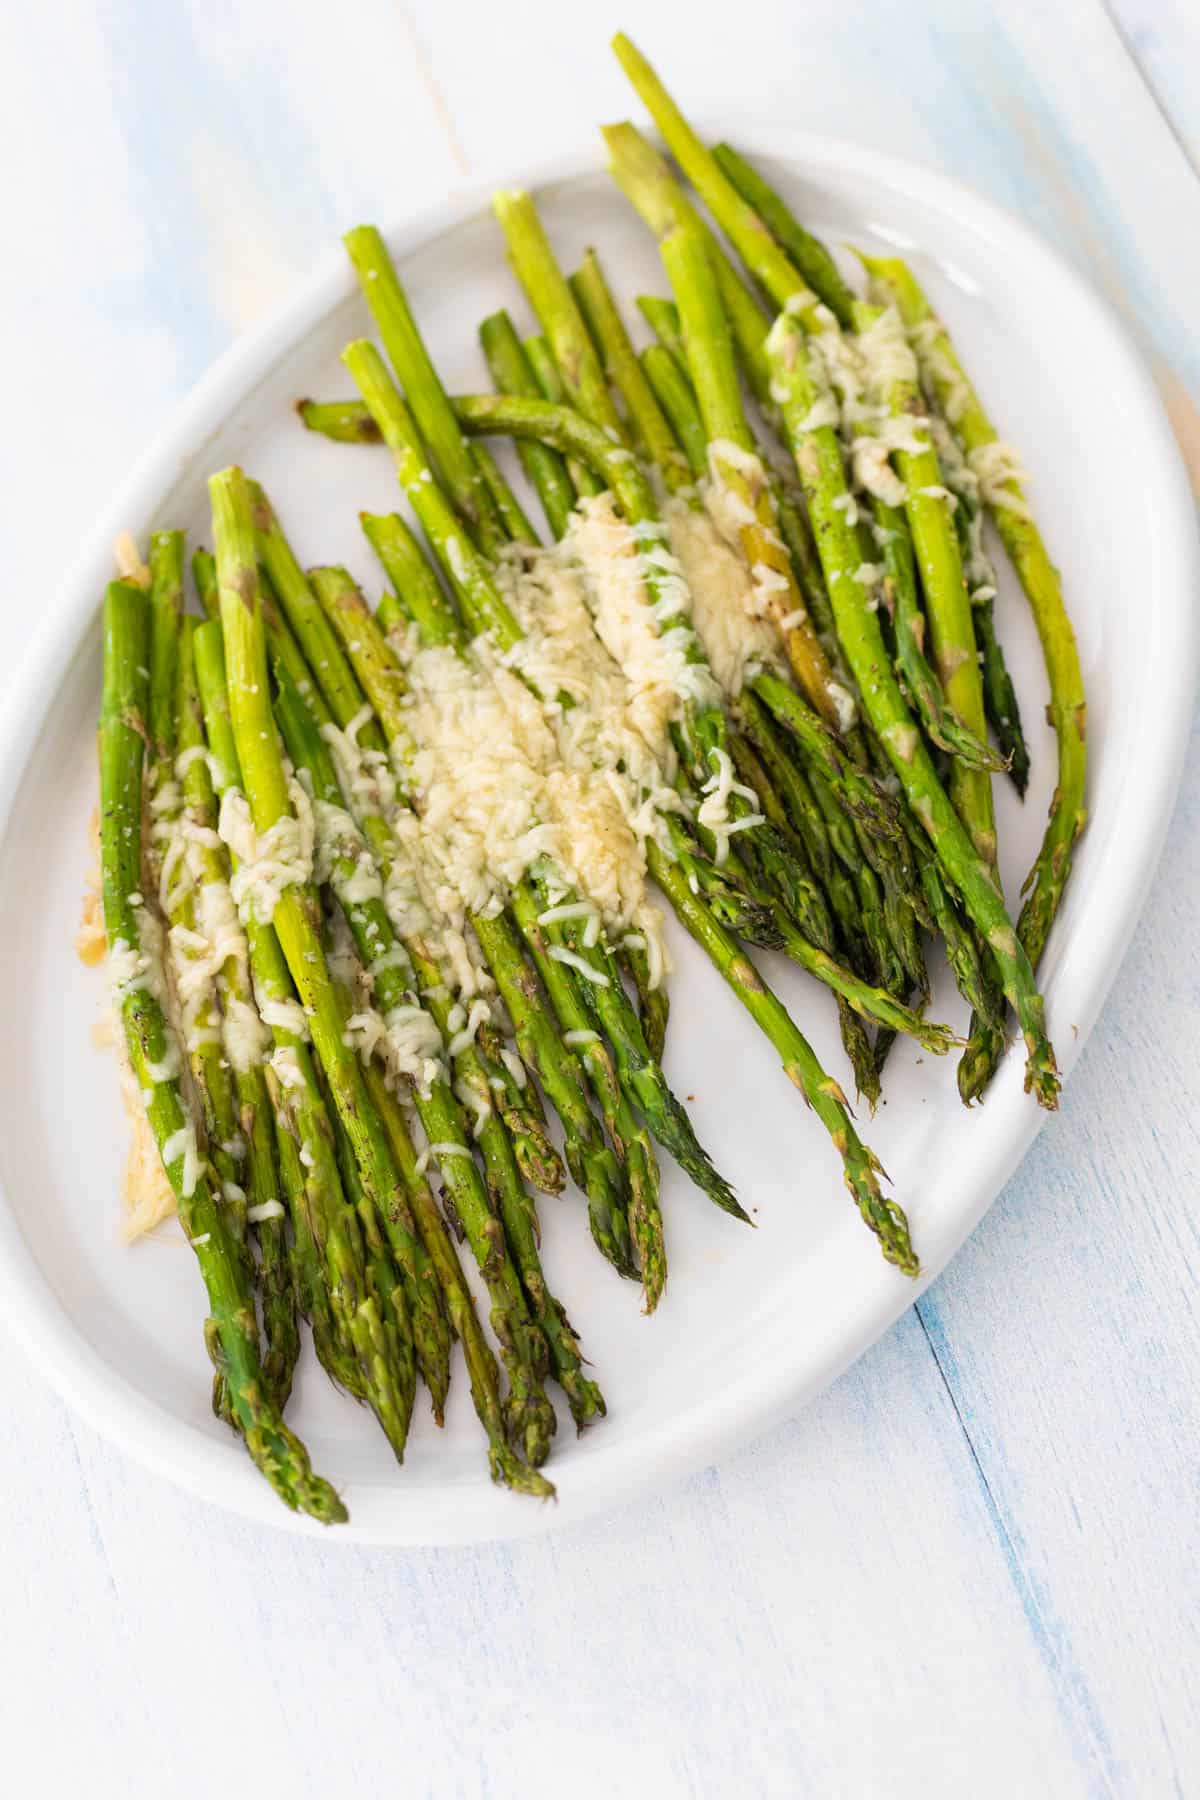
1048, 1632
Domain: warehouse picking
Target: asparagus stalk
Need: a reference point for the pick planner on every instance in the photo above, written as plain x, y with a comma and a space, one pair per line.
589, 1157
571, 346
528, 1336
941, 723
1009, 509
475, 589
999, 694
819, 462
530, 1414
166, 616
384, 685
243, 1036
927, 507
211, 1078
662, 316
742, 225
472, 580
645, 178
402, 341
231, 1331
671, 388
335, 1352
807, 253
550, 385
345, 421
626, 375
494, 414
513, 518
511, 371
654, 1003
293, 914
738, 470
361, 1342
506, 1468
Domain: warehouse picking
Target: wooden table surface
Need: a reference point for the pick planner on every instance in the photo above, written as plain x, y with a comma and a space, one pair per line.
972, 1567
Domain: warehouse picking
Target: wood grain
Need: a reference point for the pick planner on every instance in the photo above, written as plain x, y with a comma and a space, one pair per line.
972, 1565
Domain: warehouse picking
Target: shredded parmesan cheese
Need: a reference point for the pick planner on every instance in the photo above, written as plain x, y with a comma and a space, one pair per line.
285, 1015
726, 599
579, 964
997, 468
714, 815
128, 559
267, 1209
279, 858
182, 1145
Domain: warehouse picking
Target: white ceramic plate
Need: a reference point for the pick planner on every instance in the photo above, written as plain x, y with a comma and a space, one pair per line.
753, 1323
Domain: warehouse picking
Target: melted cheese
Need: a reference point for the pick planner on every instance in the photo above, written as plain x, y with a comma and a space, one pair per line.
279, 858
726, 610
997, 468
939, 369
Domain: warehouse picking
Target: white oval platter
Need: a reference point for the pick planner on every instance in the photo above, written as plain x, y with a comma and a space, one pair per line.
754, 1322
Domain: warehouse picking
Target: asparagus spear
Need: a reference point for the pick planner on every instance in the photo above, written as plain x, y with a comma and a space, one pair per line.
807, 253
531, 1419
585, 1148
645, 178
385, 687
553, 301
927, 507
402, 341
550, 384
231, 1331
192, 975
564, 430
166, 616
471, 577
571, 347
671, 388
362, 1343
814, 263
741, 224
335, 1352
654, 1003
513, 518
345, 421
662, 316
244, 1034
972, 432
506, 1468
511, 371
271, 805
942, 725
626, 375
521, 1334
819, 462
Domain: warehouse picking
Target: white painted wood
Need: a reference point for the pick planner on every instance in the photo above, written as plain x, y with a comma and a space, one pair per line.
972, 1570
1163, 37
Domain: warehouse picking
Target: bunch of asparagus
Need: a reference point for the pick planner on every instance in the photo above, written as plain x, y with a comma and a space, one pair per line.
297, 996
